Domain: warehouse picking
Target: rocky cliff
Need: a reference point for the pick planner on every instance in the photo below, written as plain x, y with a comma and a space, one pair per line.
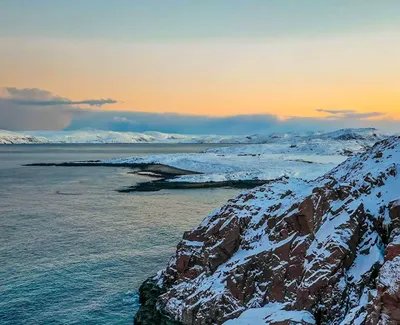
292, 252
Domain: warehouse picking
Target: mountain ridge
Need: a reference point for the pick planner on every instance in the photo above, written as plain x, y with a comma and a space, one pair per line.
100, 136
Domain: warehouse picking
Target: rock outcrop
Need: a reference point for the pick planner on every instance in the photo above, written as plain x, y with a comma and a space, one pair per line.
325, 252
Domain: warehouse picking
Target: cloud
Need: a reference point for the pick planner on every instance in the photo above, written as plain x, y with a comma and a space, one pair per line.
37, 109
332, 111
364, 115
349, 114
39, 97
229, 125
173, 123
90, 102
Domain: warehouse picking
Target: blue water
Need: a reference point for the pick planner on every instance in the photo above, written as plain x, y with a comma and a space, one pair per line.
73, 250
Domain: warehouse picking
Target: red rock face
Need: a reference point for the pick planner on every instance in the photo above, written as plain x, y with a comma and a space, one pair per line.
325, 252
385, 308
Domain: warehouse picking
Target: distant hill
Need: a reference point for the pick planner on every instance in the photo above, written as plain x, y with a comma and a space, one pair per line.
98, 136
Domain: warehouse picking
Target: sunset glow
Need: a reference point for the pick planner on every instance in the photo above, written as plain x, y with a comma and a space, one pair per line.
237, 64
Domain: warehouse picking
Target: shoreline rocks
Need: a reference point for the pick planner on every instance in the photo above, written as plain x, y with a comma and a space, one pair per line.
148, 314
163, 172
161, 184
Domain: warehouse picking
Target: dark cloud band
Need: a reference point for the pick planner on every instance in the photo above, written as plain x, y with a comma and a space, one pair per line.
36, 109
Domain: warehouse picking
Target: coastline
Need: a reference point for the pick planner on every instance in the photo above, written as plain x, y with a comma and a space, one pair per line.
161, 184
159, 173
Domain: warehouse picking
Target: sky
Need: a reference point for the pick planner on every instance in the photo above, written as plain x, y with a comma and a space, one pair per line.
211, 66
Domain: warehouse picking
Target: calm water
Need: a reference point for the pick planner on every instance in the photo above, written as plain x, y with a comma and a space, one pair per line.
73, 250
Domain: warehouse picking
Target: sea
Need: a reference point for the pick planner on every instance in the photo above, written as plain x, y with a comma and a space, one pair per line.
73, 250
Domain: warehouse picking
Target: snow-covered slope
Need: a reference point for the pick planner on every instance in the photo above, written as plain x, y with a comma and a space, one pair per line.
236, 166
305, 156
29, 137
8, 137
324, 252
362, 136
99, 136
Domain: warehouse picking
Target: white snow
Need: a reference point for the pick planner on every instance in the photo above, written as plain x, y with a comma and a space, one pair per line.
214, 167
306, 156
389, 275
355, 139
301, 155
99, 136
272, 312
8, 137
355, 316
396, 203
364, 262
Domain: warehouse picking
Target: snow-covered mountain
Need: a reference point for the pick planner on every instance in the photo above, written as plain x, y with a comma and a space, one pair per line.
361, 136
8, 137
319, 252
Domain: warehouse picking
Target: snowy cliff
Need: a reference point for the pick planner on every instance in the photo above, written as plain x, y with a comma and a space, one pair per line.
324, 252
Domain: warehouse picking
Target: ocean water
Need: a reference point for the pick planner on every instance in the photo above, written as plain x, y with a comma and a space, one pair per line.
72, 249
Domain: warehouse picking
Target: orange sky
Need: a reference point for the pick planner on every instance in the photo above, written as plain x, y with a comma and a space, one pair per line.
285, 77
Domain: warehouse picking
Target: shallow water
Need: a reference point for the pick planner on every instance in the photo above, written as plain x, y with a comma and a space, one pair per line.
73, 250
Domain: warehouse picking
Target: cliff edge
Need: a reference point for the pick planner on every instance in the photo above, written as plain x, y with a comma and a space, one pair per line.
324, 252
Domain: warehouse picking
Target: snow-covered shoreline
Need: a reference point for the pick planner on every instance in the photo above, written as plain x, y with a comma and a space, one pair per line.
306, 156
213, 167
267, 157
